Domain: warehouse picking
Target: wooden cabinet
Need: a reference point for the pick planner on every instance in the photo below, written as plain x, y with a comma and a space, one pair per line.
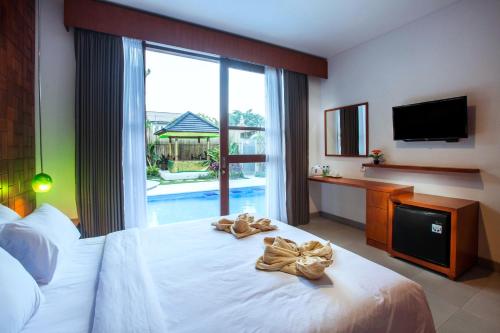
377, 205
380, 200
376, 227
377, 199
463, 231
376, 218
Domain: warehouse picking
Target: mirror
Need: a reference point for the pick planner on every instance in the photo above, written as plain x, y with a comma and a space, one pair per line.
346, 131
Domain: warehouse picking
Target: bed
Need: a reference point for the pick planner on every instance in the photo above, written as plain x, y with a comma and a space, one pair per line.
188, 277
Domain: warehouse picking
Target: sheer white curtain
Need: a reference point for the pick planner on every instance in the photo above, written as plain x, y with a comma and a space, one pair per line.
275, 149
134, 151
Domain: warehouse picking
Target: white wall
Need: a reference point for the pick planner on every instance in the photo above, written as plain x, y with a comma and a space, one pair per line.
337, 200
452, 52
314, 139
58, 110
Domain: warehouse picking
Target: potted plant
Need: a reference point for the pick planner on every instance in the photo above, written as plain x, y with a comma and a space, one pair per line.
377, 156
152, 171
213, 155
163, 162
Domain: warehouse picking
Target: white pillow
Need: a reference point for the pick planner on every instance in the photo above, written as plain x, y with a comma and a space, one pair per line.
7, 214
38, 240
19, 294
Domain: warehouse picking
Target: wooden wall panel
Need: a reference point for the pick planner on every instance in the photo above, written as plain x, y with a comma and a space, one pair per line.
17, 130
121, 21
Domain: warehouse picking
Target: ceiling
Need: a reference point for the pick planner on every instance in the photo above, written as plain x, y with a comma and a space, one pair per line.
319, 27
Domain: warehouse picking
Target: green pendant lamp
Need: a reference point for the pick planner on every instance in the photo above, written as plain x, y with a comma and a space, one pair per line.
42, 182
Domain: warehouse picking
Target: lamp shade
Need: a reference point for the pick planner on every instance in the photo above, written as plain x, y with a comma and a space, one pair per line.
42, 182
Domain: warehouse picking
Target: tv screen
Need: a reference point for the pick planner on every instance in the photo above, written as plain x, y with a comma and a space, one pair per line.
431, 121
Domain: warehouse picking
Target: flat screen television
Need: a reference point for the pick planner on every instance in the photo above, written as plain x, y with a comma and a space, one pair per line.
441, 120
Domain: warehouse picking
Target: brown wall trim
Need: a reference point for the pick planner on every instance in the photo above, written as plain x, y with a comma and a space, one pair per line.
488, 264
117, 20
343, 220
314, 215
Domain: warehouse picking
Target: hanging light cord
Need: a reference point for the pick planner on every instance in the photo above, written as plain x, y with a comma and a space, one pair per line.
39, 86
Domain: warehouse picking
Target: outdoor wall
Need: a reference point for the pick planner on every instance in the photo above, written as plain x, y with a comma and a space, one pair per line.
452, 52
58, 108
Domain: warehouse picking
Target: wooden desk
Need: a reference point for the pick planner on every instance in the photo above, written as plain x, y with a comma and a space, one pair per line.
463, 231
361, 183
377, 205
381, 199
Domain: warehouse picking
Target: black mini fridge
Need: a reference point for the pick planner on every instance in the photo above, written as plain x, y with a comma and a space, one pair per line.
422, 233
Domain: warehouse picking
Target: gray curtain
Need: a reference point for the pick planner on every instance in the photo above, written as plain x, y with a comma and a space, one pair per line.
98, 121
349, 131
296, 104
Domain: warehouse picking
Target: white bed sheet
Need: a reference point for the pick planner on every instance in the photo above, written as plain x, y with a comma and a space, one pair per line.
207, 282
69, 298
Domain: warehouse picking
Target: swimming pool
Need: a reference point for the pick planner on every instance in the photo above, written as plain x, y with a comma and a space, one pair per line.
171, 208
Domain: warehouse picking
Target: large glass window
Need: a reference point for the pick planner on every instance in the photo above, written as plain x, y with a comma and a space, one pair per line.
205, 136
183, 137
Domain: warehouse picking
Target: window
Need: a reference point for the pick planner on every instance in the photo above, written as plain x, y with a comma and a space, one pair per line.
206, 142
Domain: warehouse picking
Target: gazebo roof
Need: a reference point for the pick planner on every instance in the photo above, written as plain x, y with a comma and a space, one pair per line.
189, 125
159, 117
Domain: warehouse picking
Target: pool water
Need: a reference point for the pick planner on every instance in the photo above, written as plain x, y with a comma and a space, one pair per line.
171, 208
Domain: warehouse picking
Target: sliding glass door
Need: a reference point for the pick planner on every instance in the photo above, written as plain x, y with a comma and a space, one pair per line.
182, 135
205, 136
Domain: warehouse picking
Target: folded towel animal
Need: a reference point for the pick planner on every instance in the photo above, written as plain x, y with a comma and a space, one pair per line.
245, 225
310, 259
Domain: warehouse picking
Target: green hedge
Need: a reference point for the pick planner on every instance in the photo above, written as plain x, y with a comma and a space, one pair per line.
187, 166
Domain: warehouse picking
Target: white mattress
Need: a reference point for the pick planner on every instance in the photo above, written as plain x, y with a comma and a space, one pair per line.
69, 298
206, 281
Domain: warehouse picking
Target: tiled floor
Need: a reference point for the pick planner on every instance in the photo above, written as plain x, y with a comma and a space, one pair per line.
471, 304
